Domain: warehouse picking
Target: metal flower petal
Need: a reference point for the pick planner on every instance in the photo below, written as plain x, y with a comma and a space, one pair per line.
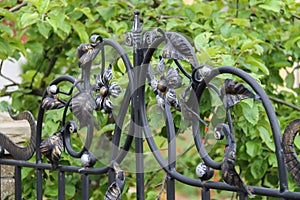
107, 75
99, 101
173, 79
160, 68
114, 90
99, 81
107, 105
172, 99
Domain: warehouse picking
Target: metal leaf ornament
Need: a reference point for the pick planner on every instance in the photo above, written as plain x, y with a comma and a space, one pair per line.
229, 174
51, 147
82, 106
52, 101
189, 108
233, 92
115, 189
88, 51
178, 47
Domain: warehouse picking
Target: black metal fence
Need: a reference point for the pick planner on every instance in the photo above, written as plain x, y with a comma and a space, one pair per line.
93, 92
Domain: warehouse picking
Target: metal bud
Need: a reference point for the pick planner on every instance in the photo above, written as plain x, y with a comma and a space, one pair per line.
53, 89
96, 39
204, 172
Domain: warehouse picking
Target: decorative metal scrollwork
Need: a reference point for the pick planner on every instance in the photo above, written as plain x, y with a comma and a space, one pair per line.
21, 153
290, 157
97, 89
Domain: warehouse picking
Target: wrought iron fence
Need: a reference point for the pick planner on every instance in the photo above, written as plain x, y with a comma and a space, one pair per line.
94, 91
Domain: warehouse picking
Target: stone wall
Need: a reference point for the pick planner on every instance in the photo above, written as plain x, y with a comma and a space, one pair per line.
19, 132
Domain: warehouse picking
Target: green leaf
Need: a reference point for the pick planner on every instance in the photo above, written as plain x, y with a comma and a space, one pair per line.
227, 60
81, 31
44, 28
202, 40
106, 13
253, 148
51, 190
35, 47
249, 44
272, 160
189, 13
206, 9
258, 168
6, 29
172, 23
5, 49
107, 128
86, 11
241, 22
271, 5
29, 18
7, 14
194, 25
43, 6
121, 66
70, 190
291, 42
264, 134
3, 104
257, 62
250, 111
290, 79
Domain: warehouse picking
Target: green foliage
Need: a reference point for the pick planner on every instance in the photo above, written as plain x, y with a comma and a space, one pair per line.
260, 37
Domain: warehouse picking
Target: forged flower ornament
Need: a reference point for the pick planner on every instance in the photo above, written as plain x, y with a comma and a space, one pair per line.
166, 85
106, 90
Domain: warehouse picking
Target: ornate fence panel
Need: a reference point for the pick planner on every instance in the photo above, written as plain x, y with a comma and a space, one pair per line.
176, 88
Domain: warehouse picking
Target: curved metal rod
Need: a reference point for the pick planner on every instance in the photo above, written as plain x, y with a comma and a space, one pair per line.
269, 111
115, 154
42, 111
67, 136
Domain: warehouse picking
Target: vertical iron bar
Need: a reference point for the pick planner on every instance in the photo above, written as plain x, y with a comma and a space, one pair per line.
61, 185
137, 60
85, 186
0, 180
170, 188
171, 151
18, 183
205, 193
243, 196
39, 175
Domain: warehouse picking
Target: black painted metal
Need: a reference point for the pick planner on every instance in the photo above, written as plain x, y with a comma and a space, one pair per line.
140, 73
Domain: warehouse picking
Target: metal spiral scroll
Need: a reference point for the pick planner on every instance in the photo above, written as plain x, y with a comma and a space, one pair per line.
21, 153
290, 157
